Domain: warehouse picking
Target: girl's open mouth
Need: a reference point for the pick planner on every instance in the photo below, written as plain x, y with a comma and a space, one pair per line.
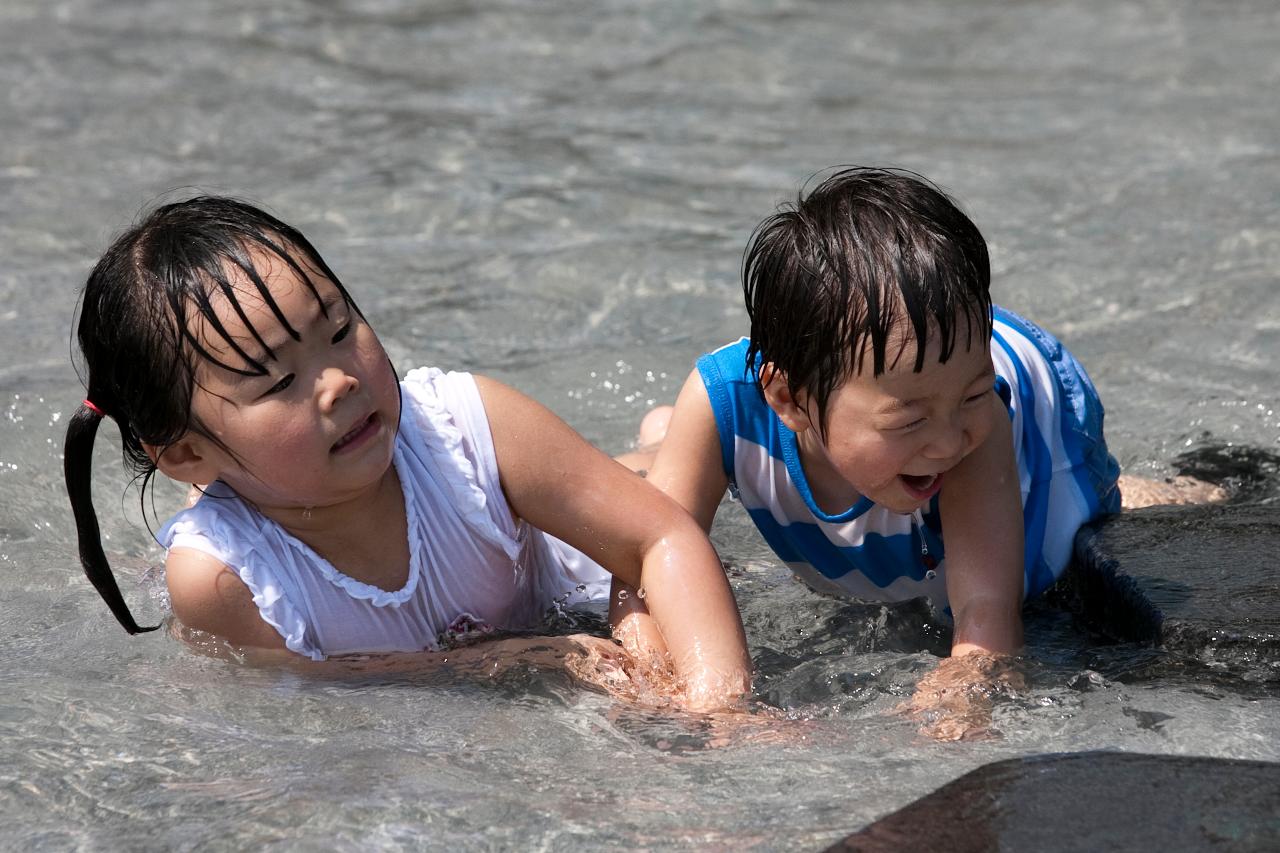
360, 433
921, 487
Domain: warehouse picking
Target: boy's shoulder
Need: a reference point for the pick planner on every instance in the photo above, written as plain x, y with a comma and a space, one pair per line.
728, 364
738, 346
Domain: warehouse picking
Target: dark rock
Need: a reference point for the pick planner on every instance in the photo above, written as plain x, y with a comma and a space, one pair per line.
1198, 580
1092, 801
1249, 474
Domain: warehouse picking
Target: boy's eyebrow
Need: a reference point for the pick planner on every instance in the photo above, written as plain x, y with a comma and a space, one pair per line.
988, 371
894, 406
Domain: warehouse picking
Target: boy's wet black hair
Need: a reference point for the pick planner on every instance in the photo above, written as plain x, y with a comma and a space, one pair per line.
829, 279
138, 354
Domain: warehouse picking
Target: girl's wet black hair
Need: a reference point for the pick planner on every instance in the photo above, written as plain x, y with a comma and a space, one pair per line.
828, 279
138, 353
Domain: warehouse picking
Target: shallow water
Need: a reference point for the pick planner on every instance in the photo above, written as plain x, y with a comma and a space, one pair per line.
558, 194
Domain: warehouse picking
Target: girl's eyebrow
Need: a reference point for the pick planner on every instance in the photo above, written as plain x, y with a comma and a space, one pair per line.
322, 311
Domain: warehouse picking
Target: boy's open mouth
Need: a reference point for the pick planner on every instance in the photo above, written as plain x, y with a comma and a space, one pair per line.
357, 434
921, 486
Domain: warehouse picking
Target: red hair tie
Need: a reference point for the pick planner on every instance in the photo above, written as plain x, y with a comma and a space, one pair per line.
95, 409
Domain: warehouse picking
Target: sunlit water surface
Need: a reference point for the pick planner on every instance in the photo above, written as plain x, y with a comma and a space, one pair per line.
558, 194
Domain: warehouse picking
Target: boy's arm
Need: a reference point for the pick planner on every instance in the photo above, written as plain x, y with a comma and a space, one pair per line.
687, 466
981, 506
559, 483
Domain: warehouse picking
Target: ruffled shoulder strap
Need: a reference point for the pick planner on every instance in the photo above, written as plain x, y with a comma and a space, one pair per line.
447, 415
222, 526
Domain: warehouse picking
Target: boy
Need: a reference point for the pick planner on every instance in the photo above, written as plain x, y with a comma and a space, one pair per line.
881, 400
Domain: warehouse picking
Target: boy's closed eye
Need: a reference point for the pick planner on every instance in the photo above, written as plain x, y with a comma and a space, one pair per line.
907, 427
974, 398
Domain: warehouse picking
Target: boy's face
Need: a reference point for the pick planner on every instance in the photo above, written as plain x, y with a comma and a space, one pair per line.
892, 438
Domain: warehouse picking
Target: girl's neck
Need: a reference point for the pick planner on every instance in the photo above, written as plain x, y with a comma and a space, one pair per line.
364, 537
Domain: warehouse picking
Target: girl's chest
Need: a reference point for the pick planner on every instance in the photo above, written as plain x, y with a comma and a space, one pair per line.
377, 553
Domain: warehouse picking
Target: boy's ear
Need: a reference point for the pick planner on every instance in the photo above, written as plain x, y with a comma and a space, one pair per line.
790, 408
187, 460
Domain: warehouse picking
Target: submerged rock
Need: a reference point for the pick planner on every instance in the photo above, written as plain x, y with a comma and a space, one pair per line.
1197, 580
1091, 801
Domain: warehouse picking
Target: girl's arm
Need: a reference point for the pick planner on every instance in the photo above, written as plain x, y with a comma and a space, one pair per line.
687, 468
208, 596
591, 659
559, 483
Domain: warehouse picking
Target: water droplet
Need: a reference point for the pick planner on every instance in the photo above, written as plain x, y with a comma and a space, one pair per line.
623, 595
640, 592
930, 575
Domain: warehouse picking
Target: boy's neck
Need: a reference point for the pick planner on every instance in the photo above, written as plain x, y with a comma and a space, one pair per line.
831, 492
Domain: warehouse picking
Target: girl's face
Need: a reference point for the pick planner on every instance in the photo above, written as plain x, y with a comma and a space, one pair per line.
319, 428
893, 437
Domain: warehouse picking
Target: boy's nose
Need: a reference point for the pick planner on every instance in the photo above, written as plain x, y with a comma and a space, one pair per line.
335, 383
948, 443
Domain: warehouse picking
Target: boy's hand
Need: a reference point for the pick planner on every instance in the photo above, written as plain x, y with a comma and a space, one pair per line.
954, 701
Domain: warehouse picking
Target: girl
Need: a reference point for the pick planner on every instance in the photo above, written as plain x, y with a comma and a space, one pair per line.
346, 512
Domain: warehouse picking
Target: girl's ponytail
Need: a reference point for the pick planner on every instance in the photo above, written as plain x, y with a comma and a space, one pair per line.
77, 467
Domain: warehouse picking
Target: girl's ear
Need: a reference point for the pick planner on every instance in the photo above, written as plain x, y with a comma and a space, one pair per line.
790, 408
188, 460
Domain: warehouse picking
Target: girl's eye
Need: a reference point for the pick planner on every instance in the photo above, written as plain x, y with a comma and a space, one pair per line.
919, 422
280, 386
342, 333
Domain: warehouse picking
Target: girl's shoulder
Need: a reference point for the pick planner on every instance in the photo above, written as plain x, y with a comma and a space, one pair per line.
443, 415
220, 524
444, 429
218, 540
442, 401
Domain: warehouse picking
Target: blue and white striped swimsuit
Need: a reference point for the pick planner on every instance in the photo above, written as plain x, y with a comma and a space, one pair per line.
872, 553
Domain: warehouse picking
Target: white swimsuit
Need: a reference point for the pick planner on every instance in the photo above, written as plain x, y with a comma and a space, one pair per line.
472, 563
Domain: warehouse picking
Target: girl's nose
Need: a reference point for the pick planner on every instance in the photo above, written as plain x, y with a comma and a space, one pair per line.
335, 383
